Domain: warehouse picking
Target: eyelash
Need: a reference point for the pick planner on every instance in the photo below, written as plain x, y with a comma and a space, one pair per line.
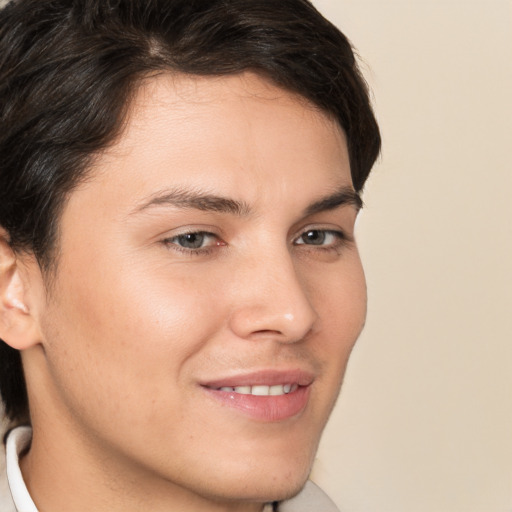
200, 251
340, 239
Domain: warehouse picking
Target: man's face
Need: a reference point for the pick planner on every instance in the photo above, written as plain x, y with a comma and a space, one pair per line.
208, 260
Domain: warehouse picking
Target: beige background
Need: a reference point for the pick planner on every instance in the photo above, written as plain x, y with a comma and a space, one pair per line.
425, 419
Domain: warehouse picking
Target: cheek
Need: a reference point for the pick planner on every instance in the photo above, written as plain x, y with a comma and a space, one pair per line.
340, 298
132, 331
341, 303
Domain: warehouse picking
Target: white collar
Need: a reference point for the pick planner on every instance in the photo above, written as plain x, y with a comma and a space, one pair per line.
17, 441
310, 498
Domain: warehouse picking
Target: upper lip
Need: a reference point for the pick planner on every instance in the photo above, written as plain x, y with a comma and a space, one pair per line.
267, 377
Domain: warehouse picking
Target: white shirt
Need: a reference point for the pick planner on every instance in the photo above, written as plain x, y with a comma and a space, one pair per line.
310, 499
17, 441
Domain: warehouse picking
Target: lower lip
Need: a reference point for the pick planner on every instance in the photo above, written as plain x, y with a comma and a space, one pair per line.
264, 408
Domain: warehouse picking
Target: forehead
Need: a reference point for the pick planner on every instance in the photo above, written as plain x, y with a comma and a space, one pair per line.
238, 135
191, 95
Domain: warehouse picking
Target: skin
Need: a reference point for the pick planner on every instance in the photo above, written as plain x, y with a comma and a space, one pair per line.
116, 350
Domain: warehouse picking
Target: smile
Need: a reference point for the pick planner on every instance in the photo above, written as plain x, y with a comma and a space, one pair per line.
259, 390
267, 396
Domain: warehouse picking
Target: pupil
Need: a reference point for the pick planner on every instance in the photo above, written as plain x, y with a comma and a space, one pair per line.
192, 240
315, 237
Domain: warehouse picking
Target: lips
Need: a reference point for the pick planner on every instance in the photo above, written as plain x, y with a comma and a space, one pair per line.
267, 395
263, 378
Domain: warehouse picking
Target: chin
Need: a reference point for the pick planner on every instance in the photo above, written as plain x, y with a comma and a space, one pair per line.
286, 490
267, 482
272, 489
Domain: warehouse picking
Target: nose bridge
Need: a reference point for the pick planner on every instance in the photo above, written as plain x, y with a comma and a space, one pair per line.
273, 299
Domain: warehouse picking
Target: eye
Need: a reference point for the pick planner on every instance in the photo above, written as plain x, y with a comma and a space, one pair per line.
194, 241
320, 237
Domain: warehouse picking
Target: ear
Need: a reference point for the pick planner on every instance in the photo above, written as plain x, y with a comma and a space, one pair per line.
18, 326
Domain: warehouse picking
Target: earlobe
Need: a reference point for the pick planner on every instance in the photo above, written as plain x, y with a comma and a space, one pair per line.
17, 324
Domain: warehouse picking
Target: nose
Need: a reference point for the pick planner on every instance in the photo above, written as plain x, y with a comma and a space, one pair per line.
272, 301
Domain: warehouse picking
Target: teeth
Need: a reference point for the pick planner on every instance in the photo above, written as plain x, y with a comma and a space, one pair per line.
260, 390
276, 390
280, 389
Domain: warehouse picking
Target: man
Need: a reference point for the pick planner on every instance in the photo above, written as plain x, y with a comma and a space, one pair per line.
180, 287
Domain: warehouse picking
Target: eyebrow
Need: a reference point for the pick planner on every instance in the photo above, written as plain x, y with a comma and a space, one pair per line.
204, 201
346, 196
195, 200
